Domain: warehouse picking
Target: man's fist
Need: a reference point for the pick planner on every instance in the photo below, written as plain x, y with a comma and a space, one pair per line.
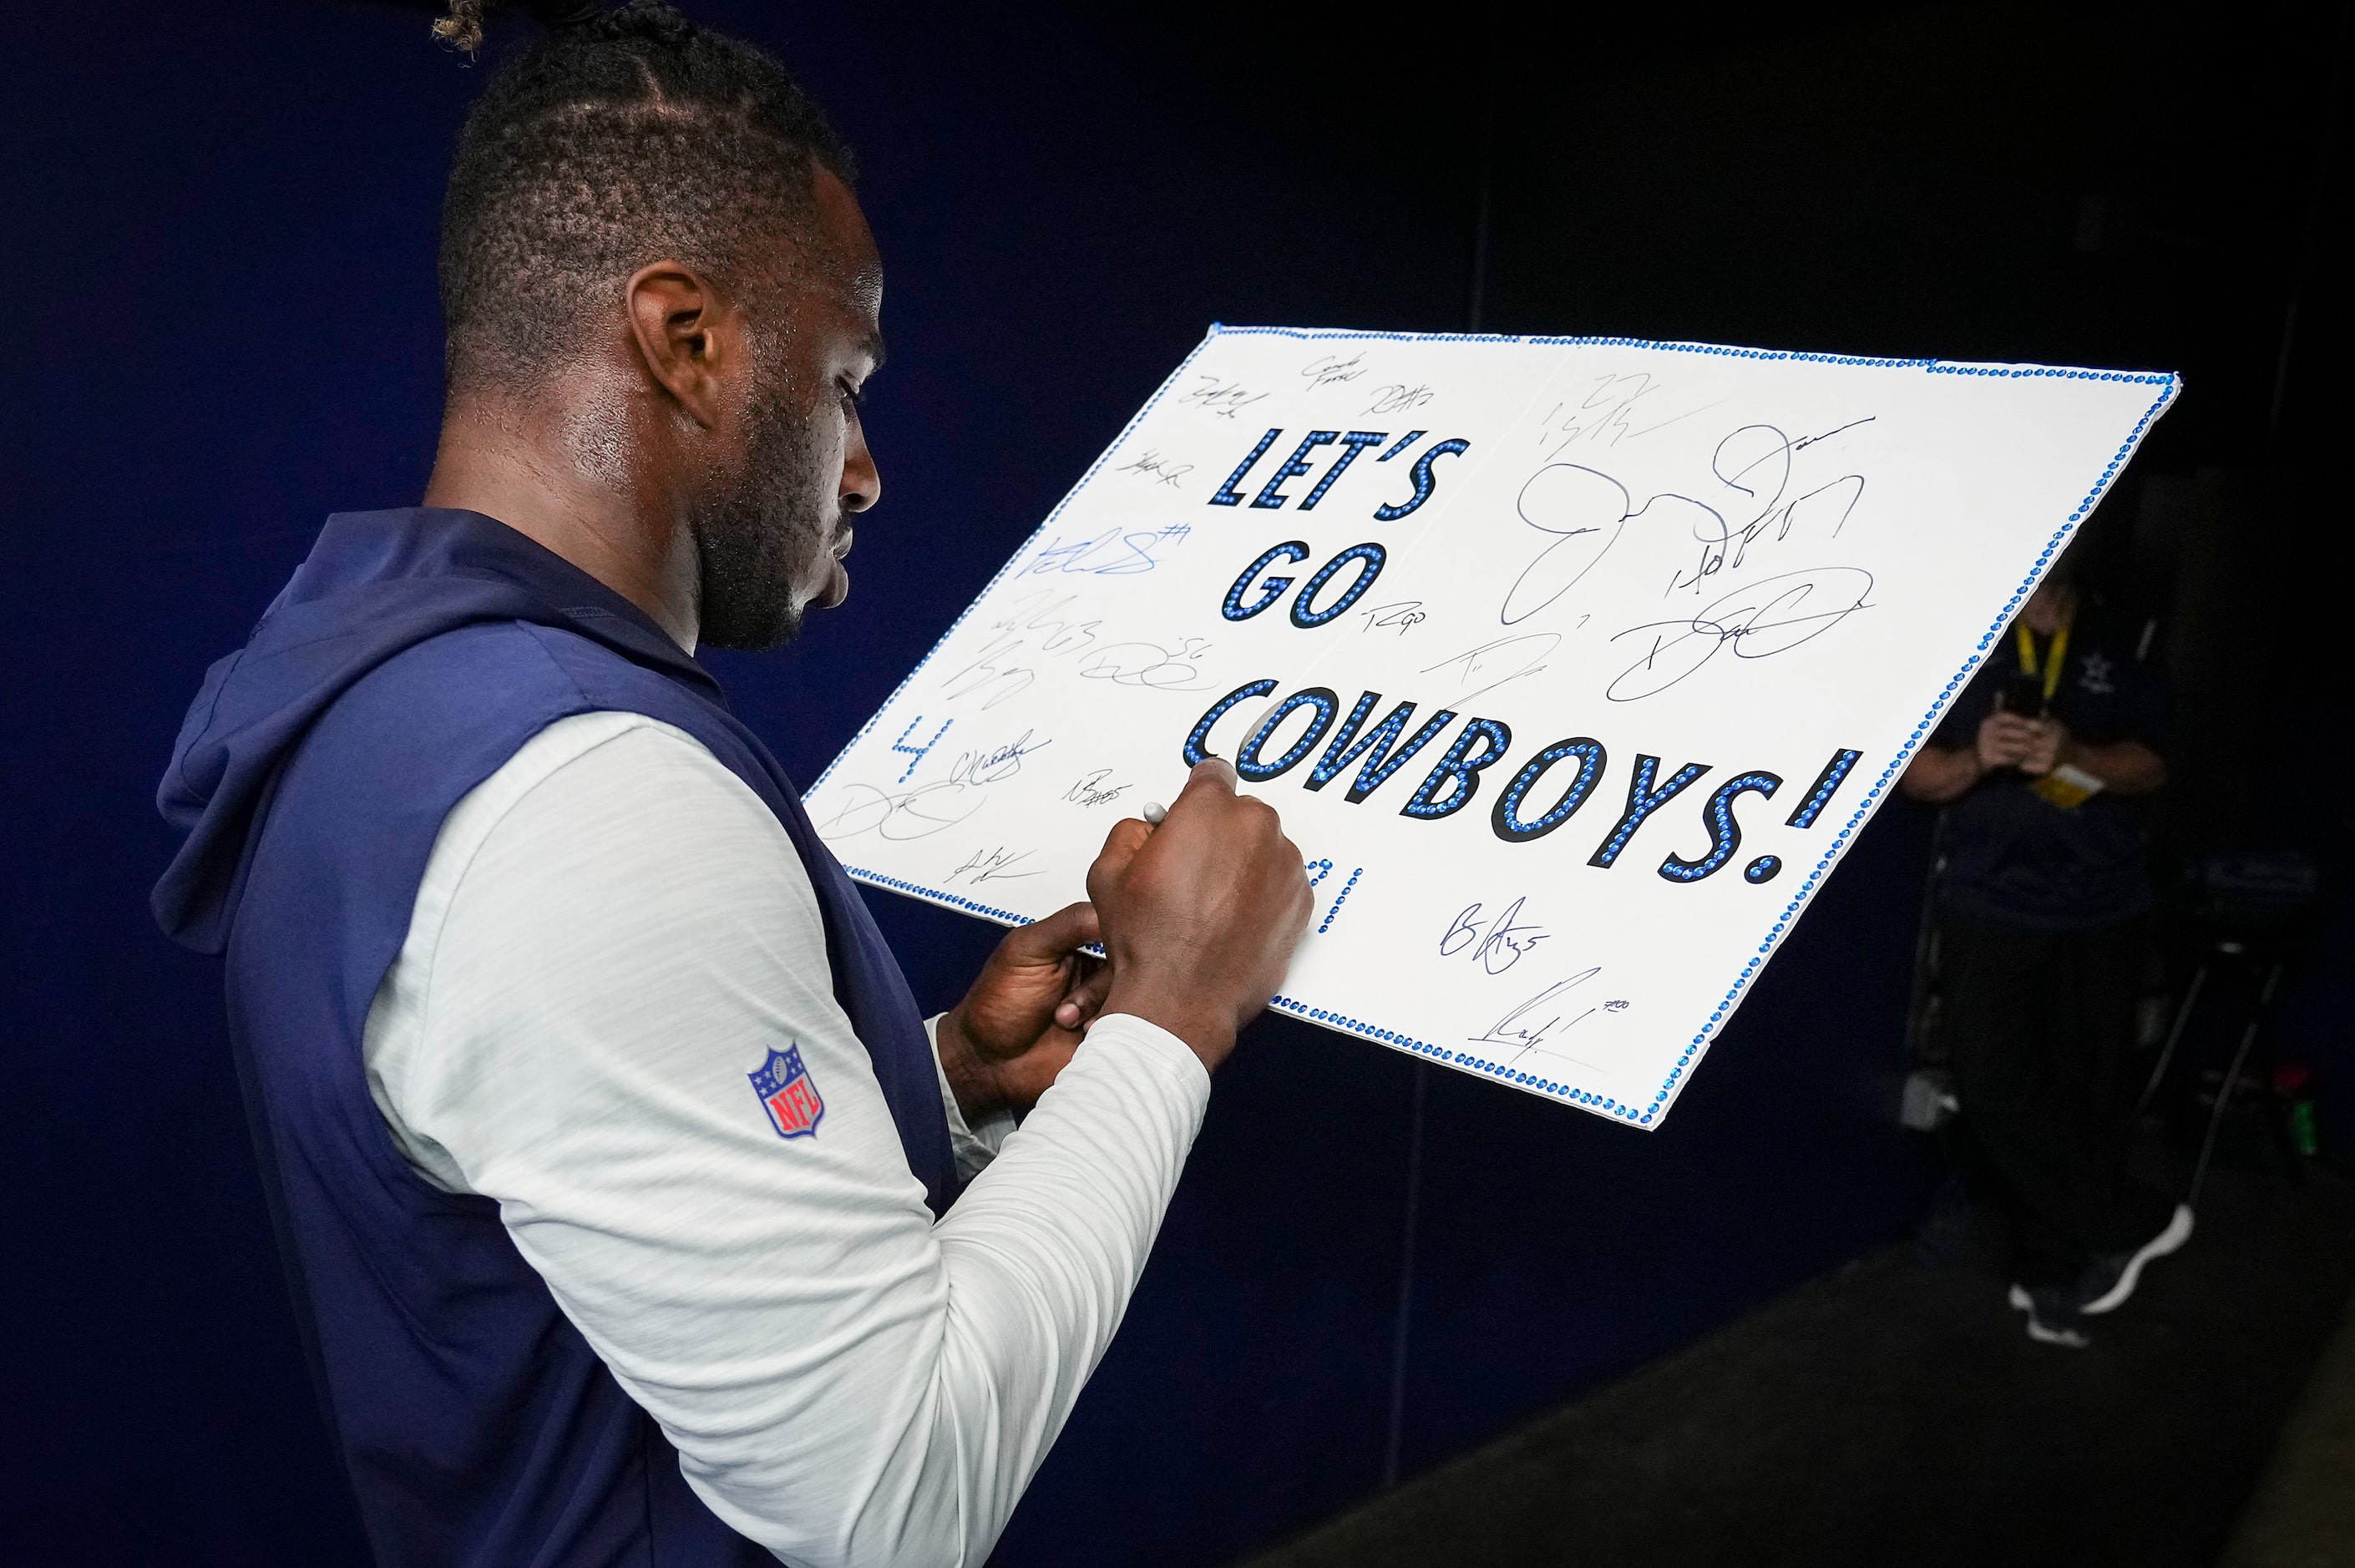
1200, 915
1003, 1046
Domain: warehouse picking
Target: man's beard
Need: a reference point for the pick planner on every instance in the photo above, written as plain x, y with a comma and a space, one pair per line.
755, 533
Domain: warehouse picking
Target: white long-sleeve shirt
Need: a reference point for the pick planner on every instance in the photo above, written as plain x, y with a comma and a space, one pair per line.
611, 934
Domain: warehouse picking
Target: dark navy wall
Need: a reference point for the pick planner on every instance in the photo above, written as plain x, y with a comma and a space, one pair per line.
221, 223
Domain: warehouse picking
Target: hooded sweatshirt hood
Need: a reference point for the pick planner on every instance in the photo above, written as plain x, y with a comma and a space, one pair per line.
375, 585
410, 658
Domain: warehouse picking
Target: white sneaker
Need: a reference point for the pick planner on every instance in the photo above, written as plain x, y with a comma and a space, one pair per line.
2108, 1281
2052, 1318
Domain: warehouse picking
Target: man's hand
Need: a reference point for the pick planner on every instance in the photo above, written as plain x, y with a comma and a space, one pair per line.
2003, 740
2041, 748
2034, 745
1003, 1046
1200, 915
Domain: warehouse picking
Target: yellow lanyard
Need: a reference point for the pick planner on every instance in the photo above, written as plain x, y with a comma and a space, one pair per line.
2054, 658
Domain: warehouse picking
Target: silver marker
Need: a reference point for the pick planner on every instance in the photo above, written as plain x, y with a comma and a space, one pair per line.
1154, 813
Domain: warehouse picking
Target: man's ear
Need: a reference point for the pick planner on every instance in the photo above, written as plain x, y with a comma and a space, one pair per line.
674, 321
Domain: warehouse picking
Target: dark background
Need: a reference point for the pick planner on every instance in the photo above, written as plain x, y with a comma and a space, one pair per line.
221, 224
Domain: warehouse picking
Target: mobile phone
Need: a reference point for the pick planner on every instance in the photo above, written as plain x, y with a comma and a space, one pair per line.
2022, 694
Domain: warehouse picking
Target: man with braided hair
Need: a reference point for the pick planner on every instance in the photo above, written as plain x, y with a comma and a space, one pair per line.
634, 1212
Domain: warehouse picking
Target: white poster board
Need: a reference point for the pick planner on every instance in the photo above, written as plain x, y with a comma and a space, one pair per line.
1572, 665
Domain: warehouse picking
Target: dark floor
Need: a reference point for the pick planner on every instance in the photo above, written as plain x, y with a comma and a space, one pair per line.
1895, 1414
2303, 1513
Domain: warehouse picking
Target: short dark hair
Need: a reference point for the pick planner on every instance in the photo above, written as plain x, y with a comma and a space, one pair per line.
618, 139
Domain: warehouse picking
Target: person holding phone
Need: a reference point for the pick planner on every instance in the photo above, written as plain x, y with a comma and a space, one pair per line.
2041, 903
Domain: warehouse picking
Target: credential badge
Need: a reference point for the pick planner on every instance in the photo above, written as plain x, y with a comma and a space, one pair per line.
789, 1092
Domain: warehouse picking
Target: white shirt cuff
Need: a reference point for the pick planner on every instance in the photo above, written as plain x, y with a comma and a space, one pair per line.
974, 1147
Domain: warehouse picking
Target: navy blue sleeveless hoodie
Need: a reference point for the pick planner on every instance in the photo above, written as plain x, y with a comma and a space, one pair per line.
411, 656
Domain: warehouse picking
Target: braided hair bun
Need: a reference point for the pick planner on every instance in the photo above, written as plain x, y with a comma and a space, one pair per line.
462, 30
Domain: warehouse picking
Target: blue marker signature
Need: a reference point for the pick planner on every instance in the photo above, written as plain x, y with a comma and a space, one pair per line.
1495, 944
1114, 553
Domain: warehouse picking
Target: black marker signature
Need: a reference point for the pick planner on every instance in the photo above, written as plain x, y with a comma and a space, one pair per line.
993, 675
1528, 1025
1092, 789
1585, 510
1155, 466
1758, 620
1755, 463
1397, 398
900, 816
1147, 665
1601, 417
1331, 370
992, 671
1224, 398
1526, 653
1403, 617
987, 864
990, 766
1606, 416
1034, 612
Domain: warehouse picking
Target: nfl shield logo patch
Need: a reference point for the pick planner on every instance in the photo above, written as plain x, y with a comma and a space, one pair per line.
789, 1093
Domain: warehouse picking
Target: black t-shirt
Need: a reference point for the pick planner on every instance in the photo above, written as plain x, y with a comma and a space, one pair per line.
2013, 858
